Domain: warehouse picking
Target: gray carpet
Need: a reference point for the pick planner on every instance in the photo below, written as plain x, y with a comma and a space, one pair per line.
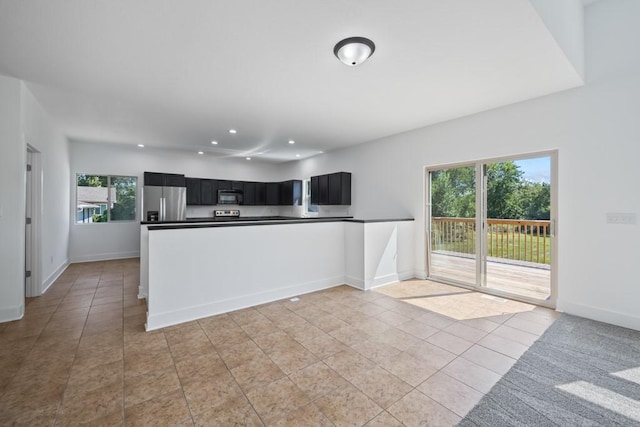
579, 373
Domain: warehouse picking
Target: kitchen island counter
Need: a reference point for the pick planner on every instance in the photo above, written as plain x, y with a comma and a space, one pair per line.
190, 271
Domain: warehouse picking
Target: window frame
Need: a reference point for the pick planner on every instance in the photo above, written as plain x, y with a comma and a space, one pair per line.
108, 203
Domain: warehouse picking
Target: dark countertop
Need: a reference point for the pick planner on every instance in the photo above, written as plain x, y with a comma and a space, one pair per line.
253, 221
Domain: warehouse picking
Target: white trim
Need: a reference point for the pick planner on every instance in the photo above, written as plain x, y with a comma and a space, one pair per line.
355, 282
594, 313
8, 314
104, 256
54, 276
169, 318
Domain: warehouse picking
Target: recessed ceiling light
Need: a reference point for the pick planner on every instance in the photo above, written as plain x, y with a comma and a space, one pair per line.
233, 131
214, 142
291, 141
248, 158
141, 145
297, 155
200, 152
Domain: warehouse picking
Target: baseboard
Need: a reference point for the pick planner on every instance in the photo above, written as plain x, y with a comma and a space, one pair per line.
170, 318
8, 314
54, 276
419, 274
105, 256
354, 282
594, 313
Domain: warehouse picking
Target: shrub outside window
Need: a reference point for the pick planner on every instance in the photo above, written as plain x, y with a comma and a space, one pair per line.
105, 198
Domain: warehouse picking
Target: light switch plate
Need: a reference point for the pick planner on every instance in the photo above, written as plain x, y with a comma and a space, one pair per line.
621, 218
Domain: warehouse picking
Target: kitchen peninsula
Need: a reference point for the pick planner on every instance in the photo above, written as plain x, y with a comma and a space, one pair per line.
194, 270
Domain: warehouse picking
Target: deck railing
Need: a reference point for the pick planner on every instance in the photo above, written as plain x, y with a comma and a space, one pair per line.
513, 239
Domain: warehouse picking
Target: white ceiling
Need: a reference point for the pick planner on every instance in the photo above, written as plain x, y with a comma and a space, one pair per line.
179, 73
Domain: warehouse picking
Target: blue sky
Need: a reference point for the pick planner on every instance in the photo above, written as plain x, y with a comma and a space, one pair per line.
536, 170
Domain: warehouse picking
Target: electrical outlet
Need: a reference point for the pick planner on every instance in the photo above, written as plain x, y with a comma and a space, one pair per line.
621, 218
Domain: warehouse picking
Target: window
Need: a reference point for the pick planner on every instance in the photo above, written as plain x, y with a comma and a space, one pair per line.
309, 209
105, 198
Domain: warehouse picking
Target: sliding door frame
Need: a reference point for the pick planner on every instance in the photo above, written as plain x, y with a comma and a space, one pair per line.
481, 223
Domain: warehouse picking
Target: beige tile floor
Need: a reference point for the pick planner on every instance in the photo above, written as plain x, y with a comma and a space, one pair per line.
412, 353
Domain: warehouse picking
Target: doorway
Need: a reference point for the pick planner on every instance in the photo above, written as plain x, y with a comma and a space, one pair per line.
33, 197
491, 226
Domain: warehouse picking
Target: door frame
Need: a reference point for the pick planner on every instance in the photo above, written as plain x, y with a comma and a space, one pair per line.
481, 223
36, 220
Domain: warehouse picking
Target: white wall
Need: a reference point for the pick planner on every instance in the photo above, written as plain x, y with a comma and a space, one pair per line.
90, 242
43, 135
597, 131
12, 190
23, 121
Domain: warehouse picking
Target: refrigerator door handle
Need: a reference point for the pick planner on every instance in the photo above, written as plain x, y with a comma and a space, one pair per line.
162, 209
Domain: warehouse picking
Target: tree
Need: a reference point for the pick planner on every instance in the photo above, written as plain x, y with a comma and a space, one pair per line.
453, 192
509, 195
92, 180
504, 180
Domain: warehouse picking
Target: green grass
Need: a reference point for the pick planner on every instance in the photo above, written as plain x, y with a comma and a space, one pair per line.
508, 248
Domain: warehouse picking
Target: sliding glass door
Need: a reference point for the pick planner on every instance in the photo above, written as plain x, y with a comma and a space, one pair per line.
491, 226
453, 238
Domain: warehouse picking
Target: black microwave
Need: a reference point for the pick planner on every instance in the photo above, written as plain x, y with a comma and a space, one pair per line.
229, 197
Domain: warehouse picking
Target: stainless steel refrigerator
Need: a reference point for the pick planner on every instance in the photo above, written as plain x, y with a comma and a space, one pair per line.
164, 203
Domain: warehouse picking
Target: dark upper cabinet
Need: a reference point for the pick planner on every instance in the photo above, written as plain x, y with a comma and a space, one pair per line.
323, 190
193, 191
315, 190
291, 193
331, 189
340, 188
164, 179
174, 180
224, 185
154, 178
249, 194
237, 185
208, 192
273, 194
261, 193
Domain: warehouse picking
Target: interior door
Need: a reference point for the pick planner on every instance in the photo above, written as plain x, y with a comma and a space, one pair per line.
28, 232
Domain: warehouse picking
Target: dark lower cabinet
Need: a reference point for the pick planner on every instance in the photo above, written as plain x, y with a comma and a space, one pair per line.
193, 191
237, 185
331, 189
249, 194
273, 194
208, 192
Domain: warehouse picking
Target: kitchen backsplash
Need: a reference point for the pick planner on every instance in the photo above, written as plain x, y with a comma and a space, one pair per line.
293, 211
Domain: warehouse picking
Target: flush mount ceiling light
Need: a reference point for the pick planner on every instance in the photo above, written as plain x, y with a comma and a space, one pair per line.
141, 145
201, 152
214, 142
233, 131
354, 51
291, 141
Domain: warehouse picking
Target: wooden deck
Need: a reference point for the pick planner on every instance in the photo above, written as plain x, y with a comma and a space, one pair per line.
524, 280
